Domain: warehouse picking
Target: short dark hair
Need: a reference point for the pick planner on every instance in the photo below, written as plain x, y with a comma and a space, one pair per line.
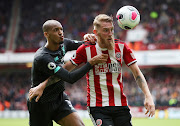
48, 24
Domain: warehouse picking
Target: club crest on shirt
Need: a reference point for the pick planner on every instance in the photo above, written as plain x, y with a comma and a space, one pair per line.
118, 55
99, 122
51, 65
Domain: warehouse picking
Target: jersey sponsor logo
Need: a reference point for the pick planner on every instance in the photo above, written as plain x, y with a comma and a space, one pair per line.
105, 68
99, 122
118, 55
51, 65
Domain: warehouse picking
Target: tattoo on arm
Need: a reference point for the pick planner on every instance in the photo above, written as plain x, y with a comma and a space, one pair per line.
52, 80
141, 83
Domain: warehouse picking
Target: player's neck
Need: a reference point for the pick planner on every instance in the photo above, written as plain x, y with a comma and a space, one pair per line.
52, 47
105, 46
102, 44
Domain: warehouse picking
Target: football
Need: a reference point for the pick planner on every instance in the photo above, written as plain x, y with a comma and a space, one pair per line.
128, 17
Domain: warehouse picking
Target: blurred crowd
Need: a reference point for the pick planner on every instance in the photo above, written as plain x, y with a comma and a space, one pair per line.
5, 15
160, 19
75, 17
14, 88
164, 84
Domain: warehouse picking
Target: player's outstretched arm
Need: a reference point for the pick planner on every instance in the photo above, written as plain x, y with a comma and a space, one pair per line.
141, 82
74, 44
70, 77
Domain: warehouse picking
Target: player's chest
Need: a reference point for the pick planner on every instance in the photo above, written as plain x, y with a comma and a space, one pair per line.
59, 56
111, 66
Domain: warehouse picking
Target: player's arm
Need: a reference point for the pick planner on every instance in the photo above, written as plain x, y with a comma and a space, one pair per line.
70, 77
38, 90
74, 44
71, 44
53, 79
141, 82
73, 76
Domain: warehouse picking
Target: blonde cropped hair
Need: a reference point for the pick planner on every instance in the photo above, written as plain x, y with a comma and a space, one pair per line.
101, 18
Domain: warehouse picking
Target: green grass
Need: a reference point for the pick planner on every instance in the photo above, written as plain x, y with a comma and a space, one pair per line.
135, 122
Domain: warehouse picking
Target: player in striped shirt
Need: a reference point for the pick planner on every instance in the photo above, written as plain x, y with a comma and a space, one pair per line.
106, 101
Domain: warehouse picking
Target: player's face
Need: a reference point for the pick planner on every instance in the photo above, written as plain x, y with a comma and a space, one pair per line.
55, 34
106, 34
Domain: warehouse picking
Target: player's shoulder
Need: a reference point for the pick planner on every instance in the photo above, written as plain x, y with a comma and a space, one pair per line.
118, 41
84, 46
66, 41
41, 54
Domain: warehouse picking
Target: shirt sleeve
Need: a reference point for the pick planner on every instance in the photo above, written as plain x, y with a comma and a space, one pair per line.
72, 77
79, 56
71, 44
48, 66
128, 56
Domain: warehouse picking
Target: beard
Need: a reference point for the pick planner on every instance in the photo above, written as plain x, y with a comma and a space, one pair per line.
109, 44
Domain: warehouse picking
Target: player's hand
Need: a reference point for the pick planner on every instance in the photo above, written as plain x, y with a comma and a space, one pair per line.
36, 91
149, 105
90, 37
101, 58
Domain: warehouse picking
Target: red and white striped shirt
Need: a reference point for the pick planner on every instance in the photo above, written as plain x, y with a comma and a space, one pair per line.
104, 81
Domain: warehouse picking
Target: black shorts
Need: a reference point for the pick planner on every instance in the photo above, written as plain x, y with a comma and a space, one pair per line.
110, 116
42, 114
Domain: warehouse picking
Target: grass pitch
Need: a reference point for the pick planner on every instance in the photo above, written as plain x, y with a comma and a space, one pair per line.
135, 122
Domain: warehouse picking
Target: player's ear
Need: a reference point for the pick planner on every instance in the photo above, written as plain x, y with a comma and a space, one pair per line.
46, 34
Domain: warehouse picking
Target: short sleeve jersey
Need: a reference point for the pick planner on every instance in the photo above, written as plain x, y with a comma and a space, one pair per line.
104, 81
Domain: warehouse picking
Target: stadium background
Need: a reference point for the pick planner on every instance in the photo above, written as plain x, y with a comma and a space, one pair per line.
155, 42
